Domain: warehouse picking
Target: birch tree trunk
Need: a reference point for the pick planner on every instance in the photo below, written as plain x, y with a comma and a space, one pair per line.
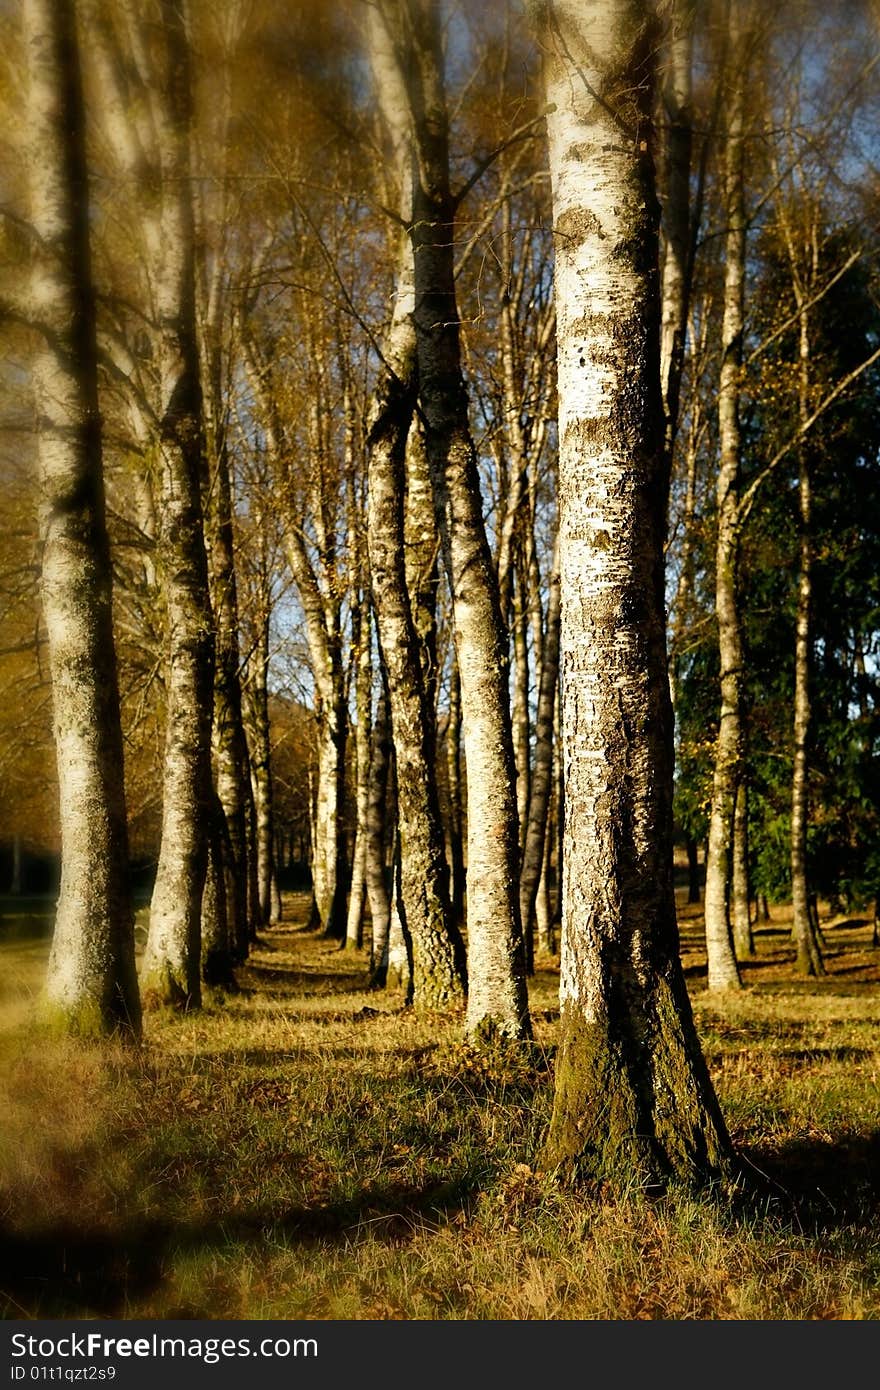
438, 964
216, 943
520, 712
809, 953
542, 777
438, 954
723, 972
633, 1099
259, 738
685, 587
377, 885
228, 737
676, 95
740, 913
421, 550
497, 996
91, 985
171, 966
455, 827
361, 648
802, 246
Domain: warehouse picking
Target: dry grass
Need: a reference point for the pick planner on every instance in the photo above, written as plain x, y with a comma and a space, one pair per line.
307, 1149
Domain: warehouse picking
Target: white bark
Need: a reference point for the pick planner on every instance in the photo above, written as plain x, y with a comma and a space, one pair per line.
497, 996
91, 984
145, 111
676, 94
403, 550
360, 619
171, 965
723, 973
633, 1098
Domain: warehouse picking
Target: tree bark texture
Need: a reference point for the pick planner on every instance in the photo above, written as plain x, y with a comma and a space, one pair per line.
421, 551
216, 944
438, 953
723, 972
171, 965
676, 96
402, 541
260, 755
542, 776
809, 953
520, 719
376, 876
497, 996
740, 911
457, 873
362, 654
91, 985
633, 1099
228, 737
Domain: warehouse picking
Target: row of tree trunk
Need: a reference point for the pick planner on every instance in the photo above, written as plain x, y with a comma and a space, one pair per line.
633, 1095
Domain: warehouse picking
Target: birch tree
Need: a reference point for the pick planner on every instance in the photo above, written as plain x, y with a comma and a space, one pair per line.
217, 299
394, 491
144, 62
171, 963
633, 1098
723, 971
91, 986
497, 997
677, 96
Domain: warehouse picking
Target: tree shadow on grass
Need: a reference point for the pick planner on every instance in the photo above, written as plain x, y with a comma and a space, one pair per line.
820, 1185
66, 1271
274, 980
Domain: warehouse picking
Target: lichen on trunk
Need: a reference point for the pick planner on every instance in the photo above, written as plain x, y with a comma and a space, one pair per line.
91, 984
633, 1099
497, 995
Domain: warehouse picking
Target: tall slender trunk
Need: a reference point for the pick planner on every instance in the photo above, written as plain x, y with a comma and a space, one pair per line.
520, 720
228, 737
723, 973
740, 911
456, 827
91, 985
398, 956
685, 587
809, 953
361, 645
146, 109
377, 884
171, 966
421, 552
261, 769
633, 1099
544, 922
216, 942
403, 589
328, 857
534, 858
676, 95
497, 996
254, 918
438, 954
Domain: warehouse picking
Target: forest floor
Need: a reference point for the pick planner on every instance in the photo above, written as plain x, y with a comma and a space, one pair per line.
308, 1149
